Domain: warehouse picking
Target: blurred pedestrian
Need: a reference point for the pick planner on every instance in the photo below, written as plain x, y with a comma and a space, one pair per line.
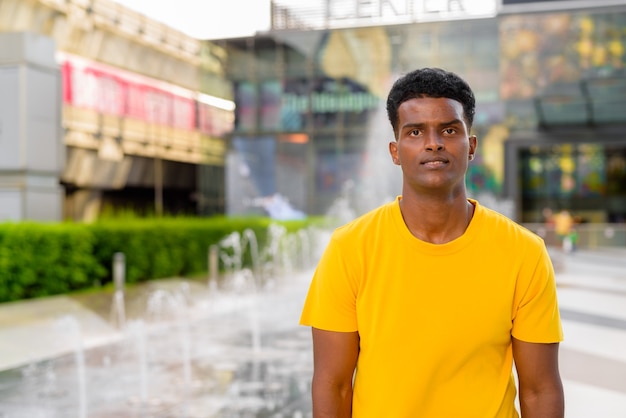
420, 307
563, 226
548, 216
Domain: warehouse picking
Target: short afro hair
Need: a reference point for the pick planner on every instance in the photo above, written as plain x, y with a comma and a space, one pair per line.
430, 82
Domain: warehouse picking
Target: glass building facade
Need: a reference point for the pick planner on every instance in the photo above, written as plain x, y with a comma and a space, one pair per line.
310, 122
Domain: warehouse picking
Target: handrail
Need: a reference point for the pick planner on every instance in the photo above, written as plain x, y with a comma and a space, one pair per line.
589, 235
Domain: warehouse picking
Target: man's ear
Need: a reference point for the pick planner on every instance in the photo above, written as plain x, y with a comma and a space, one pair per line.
473, 145
393, 150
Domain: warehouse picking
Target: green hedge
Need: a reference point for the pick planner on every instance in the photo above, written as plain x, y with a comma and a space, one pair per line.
45, 259
39, 259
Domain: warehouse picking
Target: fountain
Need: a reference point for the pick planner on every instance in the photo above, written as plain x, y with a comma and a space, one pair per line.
118, 308
70, 326
226, 347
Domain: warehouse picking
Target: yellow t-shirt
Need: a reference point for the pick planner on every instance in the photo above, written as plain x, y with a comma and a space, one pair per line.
435, 321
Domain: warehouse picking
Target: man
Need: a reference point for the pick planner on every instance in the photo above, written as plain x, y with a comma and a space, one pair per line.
420, 307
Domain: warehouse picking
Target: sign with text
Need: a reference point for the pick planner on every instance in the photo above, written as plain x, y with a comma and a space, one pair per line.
328, 14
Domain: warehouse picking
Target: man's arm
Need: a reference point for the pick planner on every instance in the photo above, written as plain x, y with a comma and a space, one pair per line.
540, 387
334, 360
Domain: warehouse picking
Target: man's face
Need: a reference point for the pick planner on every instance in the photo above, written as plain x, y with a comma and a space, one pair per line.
433, 145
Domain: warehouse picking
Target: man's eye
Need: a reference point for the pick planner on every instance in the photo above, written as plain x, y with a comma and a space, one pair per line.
414, 132
450, 131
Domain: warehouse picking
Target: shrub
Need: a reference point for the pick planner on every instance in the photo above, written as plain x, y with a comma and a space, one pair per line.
41, 259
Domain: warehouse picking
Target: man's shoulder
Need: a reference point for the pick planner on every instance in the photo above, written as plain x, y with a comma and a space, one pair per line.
499, 223
363, 224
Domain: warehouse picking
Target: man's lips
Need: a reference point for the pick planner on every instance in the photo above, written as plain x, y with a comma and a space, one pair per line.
433, 162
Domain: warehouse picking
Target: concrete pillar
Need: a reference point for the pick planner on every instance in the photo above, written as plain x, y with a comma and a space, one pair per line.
31, 145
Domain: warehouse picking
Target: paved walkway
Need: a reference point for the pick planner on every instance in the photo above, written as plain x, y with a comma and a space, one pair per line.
592, 298
592, 295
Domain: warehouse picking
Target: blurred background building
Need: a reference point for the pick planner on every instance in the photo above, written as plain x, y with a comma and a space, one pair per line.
104, 109
548, 75
288, 120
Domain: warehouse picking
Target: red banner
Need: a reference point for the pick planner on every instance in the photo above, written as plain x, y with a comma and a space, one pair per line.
116, 92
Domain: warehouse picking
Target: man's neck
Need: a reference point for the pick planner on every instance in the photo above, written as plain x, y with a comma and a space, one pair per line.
437, 220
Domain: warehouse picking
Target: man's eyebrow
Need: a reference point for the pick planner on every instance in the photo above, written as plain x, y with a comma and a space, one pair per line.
412, 125
452, 122
421, 124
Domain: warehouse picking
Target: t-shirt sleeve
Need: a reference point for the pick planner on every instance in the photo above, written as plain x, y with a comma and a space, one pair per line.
536, 318
330, 303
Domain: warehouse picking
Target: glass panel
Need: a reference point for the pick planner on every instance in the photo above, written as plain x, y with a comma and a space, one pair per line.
616, 171
568, 110
246, 110
295, 105
591, 170
587, 179
608, 98
271, 94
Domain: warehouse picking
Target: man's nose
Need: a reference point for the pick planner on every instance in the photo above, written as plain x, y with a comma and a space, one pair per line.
434, 142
